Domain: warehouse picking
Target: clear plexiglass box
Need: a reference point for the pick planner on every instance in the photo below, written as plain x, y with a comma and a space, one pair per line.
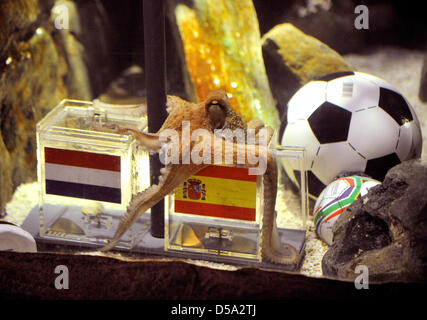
86, 176
217, 213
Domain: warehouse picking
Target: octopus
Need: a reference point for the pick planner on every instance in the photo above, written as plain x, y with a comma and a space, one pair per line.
215, 113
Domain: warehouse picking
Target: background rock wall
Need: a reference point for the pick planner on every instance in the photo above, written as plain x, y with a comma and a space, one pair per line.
41, 63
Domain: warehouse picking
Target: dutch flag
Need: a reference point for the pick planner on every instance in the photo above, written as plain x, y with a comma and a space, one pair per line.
83, 175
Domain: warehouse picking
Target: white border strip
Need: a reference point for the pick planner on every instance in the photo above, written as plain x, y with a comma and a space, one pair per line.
95, 177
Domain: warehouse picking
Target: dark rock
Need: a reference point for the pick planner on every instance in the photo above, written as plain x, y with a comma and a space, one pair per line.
332, 22
176, 67
332, 25
95, 39
386, 230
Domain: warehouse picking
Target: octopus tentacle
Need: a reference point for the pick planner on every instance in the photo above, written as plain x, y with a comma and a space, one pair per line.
271, 248
216, 112
150, 141
171, 178
140, 202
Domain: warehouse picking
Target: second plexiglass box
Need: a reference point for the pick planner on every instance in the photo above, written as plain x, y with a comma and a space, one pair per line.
217, 213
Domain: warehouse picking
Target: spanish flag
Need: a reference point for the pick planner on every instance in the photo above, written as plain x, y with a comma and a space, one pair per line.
220, 192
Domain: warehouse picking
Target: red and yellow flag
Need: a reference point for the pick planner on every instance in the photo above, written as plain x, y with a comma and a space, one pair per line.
219, 191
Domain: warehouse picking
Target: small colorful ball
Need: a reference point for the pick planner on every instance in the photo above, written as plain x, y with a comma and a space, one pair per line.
334, 199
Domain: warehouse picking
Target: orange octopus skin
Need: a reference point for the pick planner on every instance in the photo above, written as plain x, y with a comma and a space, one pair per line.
215, 112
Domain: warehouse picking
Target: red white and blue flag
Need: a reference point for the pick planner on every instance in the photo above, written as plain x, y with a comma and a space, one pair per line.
85, 175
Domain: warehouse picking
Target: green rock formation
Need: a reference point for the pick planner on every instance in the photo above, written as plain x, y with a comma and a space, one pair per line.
221, 49
39, 66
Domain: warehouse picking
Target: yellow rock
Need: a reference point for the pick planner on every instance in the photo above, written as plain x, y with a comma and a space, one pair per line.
222, 46
306, 57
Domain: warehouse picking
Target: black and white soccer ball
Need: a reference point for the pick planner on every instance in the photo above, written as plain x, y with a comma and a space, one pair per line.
349, 122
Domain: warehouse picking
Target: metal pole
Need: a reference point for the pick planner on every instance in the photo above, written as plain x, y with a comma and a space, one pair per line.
155, 79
